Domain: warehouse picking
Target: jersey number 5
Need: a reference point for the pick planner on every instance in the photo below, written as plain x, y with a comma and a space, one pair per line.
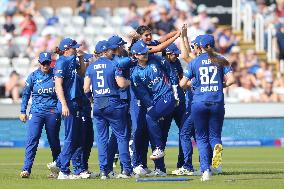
100, 78
204, 75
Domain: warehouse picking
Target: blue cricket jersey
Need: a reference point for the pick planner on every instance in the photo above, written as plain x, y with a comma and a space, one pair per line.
86, 104
123, 63
42, 88
102, 73
174, 71
209, 77
66, 68
150, 82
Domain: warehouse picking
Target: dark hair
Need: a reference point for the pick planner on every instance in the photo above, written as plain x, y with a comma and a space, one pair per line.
58, 51
140, 30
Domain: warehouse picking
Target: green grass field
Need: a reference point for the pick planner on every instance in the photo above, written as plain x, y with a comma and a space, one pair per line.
242, 167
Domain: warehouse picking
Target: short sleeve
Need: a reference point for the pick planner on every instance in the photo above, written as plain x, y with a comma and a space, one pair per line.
59, 68
227, 69
88, 71
188, 72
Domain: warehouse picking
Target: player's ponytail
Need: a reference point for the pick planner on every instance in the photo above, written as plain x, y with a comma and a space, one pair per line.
58, 51
220, 61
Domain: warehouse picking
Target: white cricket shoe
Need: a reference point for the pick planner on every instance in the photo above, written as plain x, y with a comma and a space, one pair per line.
85, 175
62, 176
53, 168
103, 176
148, 171
139, 170
206, 176
157, 154
157, 173
75, 177
124, 175
112, 174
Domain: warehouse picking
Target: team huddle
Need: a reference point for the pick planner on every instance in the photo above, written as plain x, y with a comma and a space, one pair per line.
136, 93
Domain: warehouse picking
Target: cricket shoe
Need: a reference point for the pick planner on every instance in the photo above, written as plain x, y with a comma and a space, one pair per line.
85, 175
148, 171
217, 156
206, 176
52, 176
157, 154
62, 176
216, 171
53, 168
103, 175
75, 177
92, 174
124, 175
139, 170
112, 175
157, 173
183, 172
25, 174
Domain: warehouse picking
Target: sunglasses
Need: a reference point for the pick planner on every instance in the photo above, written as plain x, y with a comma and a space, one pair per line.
45, 63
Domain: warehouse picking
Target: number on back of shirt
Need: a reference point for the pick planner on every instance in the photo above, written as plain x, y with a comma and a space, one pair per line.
100, 78
205, 77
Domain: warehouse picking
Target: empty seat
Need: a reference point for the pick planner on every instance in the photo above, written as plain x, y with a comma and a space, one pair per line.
46, 12
78, 21
64, 11
95, 21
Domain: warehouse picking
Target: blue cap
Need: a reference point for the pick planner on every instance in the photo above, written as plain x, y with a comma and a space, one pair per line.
197, 40
207, 40
139, 48
87, 57
116, 41
68, 43
44, 56
172, 49
102, 46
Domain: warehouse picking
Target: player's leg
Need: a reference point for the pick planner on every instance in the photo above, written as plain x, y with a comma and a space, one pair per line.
34, 129
52, 127
215, 130
117, 120
112, 150
200, 116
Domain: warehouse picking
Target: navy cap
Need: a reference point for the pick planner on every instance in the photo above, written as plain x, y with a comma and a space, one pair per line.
102, 46
116, 41
44, 56
68, 43
87, 57
172, 49
139, 48
207, 40
197, 40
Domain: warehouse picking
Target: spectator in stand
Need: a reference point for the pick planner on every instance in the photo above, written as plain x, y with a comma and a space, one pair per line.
10, 50
181, 19
278, 87
280, 42
27, 7
84, 46
226, 40
28, 26
173, 10
11, 7
47, 42
206, 23
253, 65
85, 8
147, 20
194, 30
280, 8
165, 24
13, 86
132, 17
9, 26
268, 95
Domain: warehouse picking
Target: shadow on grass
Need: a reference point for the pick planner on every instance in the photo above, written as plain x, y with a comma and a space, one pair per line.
252, 172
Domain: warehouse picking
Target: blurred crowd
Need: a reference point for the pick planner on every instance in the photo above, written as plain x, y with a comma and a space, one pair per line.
26, 31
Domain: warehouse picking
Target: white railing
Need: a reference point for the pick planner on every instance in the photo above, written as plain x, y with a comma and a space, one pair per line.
259, 33
247, 22
271, 46
236, 15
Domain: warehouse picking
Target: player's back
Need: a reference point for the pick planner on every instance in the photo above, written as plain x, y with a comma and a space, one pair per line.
209, 78
102, 73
